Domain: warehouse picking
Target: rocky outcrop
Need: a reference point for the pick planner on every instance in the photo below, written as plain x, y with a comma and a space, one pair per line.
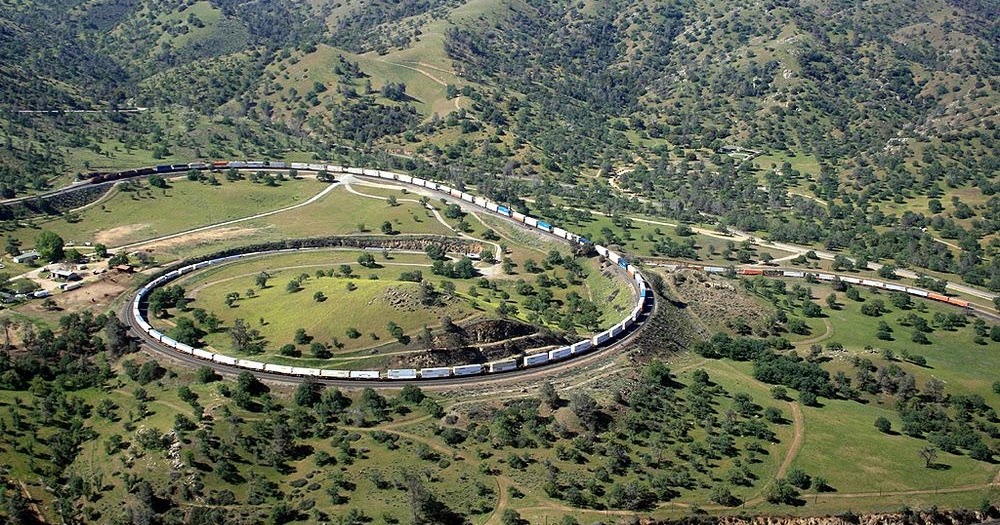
54, 203
481, 342
906, 517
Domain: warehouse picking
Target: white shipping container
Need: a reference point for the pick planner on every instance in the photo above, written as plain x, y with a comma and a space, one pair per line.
224, 359
365, 374
503, 366
204, 354
431, 373
531, 221
278, 369
582, 346
406, 373
252, 365
465, 370
536, 359
560, 353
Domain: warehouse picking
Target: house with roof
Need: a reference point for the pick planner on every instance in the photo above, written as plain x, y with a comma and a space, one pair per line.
27, 257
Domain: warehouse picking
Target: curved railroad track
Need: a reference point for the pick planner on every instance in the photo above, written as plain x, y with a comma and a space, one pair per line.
158, 348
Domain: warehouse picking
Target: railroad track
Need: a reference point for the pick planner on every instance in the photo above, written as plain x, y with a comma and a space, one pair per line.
157, 348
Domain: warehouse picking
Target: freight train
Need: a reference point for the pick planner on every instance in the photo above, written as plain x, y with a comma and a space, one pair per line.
643, 303
871, 283
609, 336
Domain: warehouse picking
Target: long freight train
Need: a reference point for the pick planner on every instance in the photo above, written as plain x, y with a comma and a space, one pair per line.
645, 295
643, 303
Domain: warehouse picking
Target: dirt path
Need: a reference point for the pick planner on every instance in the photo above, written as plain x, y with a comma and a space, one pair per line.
306, 202
437, 447
503, 499
104, 198
193, 294
796, 249
823, 337
426, 74
498, 254
797, 438
31, 502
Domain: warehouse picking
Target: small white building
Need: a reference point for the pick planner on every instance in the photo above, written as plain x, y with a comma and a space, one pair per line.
27, 257
64, 274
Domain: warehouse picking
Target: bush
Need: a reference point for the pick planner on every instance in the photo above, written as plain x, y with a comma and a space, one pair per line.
319, 351
883, 425
799, 478
781, 492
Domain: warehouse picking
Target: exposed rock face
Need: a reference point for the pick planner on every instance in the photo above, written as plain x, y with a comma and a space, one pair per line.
491, 331
717, 300
482, 341
925, 517
399, 299
56, 203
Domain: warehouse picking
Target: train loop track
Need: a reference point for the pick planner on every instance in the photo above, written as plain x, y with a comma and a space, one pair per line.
506, 370
616, 336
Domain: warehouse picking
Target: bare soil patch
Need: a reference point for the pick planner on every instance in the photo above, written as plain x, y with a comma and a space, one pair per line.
202, 237
118, 234
716, 300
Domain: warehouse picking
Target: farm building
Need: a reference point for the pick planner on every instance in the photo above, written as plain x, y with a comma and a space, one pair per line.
27, 257
64, 274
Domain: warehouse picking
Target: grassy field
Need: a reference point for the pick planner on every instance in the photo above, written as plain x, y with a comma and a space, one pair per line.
341, 212
336, 213
952, 353
366, 301
458, 483
363, 308
133, 216
841, 432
